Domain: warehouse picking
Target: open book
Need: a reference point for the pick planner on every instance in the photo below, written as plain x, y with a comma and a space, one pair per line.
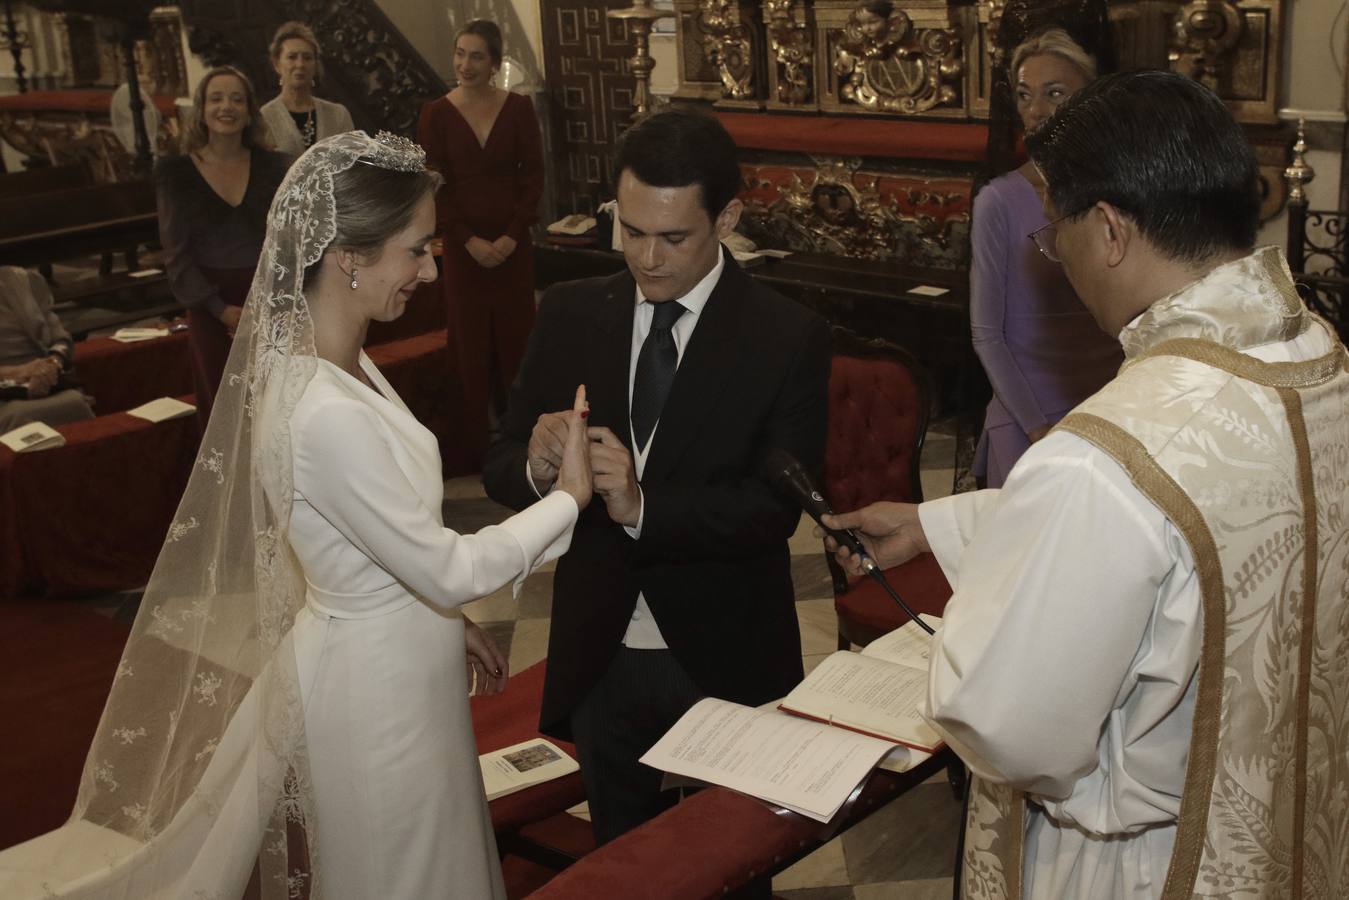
802, 765
879, 692
523, 765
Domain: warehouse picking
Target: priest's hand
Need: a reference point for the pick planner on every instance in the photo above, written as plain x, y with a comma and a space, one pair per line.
505, 245
615, 477
487, 667
890, 532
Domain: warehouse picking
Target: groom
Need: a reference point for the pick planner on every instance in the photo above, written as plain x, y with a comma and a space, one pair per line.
678, 585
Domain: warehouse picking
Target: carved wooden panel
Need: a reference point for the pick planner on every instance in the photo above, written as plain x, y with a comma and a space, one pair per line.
840, 206
936, 58
590, 91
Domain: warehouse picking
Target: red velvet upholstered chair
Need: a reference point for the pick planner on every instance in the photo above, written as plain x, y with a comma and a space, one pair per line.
879, 404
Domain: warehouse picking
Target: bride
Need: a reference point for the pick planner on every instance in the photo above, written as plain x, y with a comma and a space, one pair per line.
294, 695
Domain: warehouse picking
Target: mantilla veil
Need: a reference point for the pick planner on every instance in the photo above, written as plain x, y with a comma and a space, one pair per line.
199, 772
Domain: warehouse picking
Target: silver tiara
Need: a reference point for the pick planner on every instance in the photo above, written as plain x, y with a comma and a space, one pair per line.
393, 151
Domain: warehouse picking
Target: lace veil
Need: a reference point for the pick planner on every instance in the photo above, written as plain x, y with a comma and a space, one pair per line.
199, 768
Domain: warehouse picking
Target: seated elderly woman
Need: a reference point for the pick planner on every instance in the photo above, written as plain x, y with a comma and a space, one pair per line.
35, 353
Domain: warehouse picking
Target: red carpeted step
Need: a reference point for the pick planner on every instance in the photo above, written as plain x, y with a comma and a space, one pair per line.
57, 662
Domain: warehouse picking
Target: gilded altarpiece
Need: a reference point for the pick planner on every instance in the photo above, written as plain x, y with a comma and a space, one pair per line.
915, 63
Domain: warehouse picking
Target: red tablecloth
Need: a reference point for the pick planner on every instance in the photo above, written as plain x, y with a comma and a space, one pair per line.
122, 376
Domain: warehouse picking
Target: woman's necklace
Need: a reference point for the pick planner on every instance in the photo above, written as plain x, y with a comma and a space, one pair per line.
311, 128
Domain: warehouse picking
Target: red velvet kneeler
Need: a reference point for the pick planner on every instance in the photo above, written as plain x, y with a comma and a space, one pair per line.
919, 581
713, 842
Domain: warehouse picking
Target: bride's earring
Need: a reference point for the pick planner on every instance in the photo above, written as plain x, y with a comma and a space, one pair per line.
354, 285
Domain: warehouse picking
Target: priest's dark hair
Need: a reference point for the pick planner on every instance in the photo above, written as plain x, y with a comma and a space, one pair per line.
677, 147
1162, 149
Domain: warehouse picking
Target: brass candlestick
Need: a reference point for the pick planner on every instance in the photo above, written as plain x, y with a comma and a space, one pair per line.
639, 18
1298, 173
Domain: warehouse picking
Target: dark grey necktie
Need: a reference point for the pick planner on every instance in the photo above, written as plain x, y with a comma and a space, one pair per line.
656, 364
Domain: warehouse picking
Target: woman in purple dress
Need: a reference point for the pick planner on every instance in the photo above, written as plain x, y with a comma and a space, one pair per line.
1042, 350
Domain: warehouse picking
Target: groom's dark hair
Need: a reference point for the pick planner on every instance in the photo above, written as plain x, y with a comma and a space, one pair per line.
678, 147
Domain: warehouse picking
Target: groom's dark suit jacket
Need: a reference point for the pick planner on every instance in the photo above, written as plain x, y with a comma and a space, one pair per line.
712, 559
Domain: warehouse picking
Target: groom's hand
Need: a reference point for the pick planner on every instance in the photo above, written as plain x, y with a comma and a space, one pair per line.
615, 477
546, 443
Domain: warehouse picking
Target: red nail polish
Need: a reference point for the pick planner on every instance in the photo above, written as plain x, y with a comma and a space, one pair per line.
585, 413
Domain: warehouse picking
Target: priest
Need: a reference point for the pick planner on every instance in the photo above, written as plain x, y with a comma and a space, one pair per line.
1143, 661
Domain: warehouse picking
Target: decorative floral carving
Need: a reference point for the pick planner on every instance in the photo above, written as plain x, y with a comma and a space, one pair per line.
730, 47
885, 64
793, 49
841, 211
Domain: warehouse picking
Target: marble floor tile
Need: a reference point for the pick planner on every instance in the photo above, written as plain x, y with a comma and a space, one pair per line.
914, 837
826, 867
464, 487
840, 892
529, 644
536, 596
925, 889
498, 606
810, 576
937, 483
809, 662
819, 626
470, 514
804, 539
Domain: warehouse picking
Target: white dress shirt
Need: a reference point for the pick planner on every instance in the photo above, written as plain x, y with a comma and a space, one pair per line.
643, 632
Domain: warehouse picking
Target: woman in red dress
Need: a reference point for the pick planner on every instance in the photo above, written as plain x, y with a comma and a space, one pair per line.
486, 143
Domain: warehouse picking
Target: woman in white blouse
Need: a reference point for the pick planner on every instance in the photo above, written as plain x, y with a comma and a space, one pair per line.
296, 118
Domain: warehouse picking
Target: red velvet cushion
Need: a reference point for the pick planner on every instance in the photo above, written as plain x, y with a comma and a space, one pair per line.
874, 418
713, 842
919, 581
91, 516
509, 719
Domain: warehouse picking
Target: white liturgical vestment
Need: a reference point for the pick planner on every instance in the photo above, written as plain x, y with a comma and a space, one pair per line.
1065, 665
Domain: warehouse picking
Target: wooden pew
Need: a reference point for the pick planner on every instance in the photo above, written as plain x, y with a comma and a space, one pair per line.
28, 182
56, 225
75, 222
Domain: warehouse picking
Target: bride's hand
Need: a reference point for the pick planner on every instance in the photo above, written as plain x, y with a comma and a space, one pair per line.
487, 668
574, 475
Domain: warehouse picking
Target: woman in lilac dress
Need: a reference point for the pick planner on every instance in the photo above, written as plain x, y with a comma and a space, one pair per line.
1042, 350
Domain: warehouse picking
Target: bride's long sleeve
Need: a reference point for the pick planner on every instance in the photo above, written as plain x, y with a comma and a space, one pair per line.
348, 472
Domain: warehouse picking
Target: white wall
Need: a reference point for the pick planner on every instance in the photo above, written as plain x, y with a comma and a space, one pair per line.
1313, 86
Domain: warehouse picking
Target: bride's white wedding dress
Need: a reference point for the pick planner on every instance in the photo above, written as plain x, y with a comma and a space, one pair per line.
380, 657
401, 810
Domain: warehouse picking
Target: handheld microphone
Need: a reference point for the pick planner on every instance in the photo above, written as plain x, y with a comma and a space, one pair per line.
790, 478
786, 474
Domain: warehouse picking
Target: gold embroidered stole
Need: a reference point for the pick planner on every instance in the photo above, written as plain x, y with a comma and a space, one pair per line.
1250, 462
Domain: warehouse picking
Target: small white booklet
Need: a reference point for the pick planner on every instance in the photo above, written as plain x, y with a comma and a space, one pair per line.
523, 765
802, 765
162, 410
132, 335
879, 692
33, 436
